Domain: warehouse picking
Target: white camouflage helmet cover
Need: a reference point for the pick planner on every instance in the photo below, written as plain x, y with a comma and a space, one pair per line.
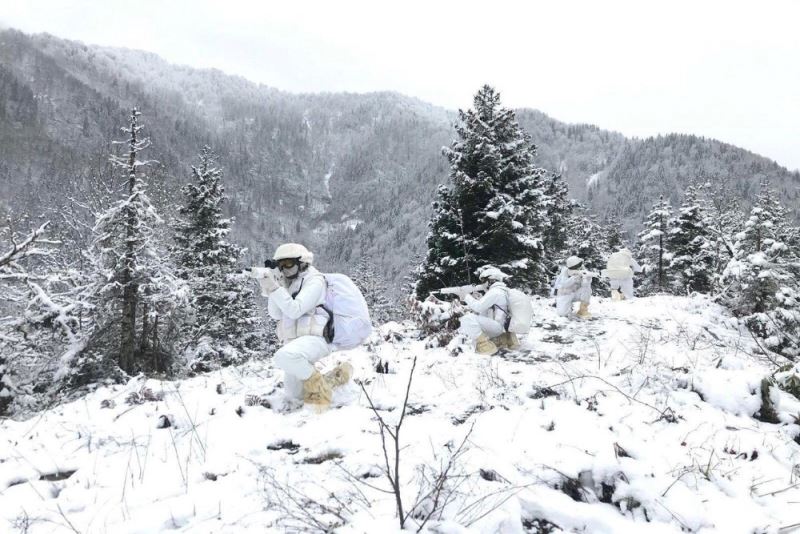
293, 250
491, 272
573, 261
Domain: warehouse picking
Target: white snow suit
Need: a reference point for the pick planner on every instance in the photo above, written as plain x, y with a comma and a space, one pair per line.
490, 312
571, 287
619, 271
300, 327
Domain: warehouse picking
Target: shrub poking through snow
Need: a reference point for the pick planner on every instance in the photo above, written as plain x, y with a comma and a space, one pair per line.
436, 319
144, 395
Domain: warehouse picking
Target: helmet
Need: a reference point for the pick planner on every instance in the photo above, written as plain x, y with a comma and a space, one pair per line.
294, 251
490, 272
573, 261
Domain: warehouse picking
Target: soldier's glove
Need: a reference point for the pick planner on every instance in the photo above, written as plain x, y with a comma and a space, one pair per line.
267, 279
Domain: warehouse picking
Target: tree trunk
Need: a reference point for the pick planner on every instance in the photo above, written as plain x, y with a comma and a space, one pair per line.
145, 328
127, 348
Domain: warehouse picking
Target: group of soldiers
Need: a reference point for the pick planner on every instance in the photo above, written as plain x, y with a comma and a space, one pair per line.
484, 324
297, 297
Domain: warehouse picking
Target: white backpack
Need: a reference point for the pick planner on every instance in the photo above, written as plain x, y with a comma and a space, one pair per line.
618, 266
520, 311
349, 324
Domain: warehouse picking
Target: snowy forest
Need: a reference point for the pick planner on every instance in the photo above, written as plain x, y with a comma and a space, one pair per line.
135, 195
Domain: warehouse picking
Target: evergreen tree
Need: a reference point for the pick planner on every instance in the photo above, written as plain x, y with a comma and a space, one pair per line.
725, 221
373, 287
559, 210
134, 297
225, 324
612, 234
692, 264
493, 211
762, 280
652, 253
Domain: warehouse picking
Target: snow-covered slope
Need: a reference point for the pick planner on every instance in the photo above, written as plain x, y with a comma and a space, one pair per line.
639, 420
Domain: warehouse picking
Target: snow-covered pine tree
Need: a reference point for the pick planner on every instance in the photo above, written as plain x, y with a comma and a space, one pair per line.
559, 210
652, 252
492, 212
373, 287
226, 324
612, 234
726, 220
690, 243
762, 283
134, 296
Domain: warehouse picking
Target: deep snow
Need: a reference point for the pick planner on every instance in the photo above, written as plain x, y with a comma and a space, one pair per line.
637, 421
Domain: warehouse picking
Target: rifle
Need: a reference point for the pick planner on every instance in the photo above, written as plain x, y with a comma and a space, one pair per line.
461, 290
584, 273
260, 272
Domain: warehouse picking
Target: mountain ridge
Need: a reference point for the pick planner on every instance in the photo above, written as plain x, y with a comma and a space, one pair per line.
351, 174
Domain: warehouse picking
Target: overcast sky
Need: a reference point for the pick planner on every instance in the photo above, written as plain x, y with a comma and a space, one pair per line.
723, 69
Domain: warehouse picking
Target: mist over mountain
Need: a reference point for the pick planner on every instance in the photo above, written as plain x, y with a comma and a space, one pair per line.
348, 174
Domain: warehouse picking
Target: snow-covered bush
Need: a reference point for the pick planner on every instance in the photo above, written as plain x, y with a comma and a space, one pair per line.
435, 318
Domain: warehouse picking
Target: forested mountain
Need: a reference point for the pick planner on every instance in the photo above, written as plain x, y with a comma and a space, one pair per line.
352, 175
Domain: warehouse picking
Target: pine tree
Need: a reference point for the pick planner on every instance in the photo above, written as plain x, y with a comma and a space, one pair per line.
652, 253
762, 280
134, 297
225, 324
493, 210
612, 234
726, 220
373, 287
559, 210
692, 264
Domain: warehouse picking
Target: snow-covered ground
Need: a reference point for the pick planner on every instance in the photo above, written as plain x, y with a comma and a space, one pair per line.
639, 420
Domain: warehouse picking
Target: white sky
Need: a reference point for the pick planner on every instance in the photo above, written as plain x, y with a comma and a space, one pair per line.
723, 69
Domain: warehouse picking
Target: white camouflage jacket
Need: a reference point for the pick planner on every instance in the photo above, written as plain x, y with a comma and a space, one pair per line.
494, 304
300, 315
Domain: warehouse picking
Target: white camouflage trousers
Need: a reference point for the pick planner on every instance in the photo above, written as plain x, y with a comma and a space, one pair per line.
564, 302
472, 326
296, 358
624, 285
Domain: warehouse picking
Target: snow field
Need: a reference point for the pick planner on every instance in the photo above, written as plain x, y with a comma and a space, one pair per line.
639, 420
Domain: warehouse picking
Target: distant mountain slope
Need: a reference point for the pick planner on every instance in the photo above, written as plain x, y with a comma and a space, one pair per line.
665, 165
350, 174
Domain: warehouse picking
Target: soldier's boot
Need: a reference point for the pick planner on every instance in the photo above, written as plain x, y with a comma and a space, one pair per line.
485, 346
339, 375
499, 342
583, 311
511, 341
616, 295
317, 391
